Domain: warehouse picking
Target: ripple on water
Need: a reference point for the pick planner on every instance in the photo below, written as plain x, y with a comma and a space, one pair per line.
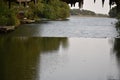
90, 27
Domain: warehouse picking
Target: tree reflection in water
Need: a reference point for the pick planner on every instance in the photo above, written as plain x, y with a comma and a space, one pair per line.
116, 50
19, 56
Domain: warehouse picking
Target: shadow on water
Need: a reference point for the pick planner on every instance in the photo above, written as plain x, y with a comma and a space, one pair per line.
20, 56
116, 52
117, 29
29, 30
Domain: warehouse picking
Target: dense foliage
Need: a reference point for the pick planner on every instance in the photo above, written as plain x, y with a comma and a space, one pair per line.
81, 12
51, 9
54, 9
86, 13
7, 16
113, 12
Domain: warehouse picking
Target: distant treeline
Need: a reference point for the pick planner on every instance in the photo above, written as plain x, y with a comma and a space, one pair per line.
85, 13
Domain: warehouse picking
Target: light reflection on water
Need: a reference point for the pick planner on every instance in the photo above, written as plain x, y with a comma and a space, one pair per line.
43, 58
86, 27
84, 59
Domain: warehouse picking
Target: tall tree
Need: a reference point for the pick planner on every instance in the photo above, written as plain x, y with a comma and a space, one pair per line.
9, 3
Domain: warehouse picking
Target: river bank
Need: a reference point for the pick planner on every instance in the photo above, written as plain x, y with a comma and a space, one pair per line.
99, 16
12, 13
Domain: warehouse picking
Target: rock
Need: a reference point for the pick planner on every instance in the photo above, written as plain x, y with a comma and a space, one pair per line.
7, 28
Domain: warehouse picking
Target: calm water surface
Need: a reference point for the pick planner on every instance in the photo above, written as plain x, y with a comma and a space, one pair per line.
81, 48
35, 58
90, 27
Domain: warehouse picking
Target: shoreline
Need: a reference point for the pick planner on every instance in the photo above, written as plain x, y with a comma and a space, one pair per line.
90, 16
11, 28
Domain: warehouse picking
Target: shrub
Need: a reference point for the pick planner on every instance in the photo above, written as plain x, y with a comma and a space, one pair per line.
34, 10
52, 9
7, 16
56, 9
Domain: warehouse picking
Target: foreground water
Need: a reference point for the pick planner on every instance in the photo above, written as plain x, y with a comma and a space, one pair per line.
90, 27
81, 48
35, 58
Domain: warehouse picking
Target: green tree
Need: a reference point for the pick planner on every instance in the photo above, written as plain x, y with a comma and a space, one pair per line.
56, 9
113, 12
7, 16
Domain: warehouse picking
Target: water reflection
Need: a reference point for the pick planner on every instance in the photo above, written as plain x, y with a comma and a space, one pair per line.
43, 58
118, 31
116, 50
85, 59
20, 56
87, 27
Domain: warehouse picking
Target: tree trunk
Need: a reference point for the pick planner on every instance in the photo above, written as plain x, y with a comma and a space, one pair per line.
9, 3
35, 2
25, 3
20, 2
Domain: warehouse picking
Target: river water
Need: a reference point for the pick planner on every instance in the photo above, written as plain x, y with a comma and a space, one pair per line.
81, 48
86, 27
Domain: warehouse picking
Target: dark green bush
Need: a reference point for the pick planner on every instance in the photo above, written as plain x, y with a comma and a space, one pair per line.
7, 16
56, 9
52, 9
